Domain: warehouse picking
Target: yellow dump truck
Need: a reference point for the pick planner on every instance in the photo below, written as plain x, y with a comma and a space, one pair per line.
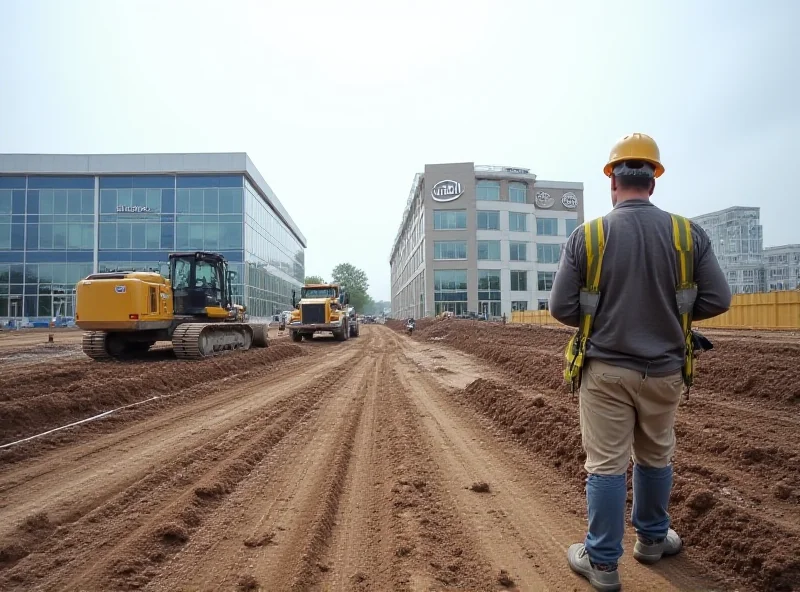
322, 308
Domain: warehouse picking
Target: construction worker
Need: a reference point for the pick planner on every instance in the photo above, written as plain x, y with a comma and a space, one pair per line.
633, 368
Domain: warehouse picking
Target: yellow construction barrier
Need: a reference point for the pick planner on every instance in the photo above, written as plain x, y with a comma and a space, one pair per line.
533, 317
765, 310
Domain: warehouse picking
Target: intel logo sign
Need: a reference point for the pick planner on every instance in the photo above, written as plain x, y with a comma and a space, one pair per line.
446, 191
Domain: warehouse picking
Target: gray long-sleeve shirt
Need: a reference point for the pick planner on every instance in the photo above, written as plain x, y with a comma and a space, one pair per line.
637, 324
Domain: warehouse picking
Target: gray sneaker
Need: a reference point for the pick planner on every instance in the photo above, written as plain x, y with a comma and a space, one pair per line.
606, 581
651, 553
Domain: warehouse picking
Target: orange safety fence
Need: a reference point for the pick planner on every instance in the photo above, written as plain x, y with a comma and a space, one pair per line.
763, 310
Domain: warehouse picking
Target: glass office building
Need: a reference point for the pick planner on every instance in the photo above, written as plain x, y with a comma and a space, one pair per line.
63, 217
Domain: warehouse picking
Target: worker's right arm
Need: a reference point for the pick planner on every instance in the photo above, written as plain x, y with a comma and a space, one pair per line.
565, 304
713, 291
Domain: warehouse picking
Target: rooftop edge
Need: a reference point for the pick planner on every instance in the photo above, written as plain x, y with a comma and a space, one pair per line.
149, 164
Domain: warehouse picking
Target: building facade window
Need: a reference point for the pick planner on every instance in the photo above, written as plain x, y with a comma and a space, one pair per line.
487, 190
274, 258
489, 292
572, 224
449, 250
519, 281
490, 308
517, 222
518, 251
489, 284
548, 253
450, 291
517, 192
449, 219
488, 250
488, 220
141, 219
547, 226
544, 304
47, 240
546, 280
519, 305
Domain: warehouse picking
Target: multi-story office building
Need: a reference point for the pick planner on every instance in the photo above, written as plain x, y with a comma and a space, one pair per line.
482, 239
738, 242
782, 266
63, 217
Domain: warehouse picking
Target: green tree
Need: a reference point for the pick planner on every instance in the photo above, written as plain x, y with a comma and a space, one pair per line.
314, 279
377, 307
355, 283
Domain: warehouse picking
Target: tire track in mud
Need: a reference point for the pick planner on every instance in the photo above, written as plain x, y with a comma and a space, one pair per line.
270, 533
521, 528
349, 546
396, 529
122, 541
68, 483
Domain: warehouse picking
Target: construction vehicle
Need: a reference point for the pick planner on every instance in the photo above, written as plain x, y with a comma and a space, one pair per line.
124, 313
323, 308
353, 322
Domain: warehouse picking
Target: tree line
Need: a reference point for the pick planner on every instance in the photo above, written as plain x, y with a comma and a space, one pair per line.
356, 284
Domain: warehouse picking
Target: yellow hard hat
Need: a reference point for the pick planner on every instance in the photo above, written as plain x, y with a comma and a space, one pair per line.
635, 146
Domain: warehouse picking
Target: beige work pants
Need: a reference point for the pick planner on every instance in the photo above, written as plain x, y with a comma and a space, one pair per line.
623, 411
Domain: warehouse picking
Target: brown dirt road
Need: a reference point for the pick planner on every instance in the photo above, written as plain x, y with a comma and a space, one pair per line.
319, 466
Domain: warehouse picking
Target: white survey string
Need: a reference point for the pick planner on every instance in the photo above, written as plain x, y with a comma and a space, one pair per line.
88, 419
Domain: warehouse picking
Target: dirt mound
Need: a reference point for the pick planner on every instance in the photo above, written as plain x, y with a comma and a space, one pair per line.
717, 527
38, 399
764, 553
542, 424
740, 368
766, 371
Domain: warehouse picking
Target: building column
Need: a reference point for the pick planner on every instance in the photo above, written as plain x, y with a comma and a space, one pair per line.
95, 265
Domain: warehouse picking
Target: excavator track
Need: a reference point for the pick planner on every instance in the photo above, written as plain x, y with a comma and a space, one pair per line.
94, 345
194, 341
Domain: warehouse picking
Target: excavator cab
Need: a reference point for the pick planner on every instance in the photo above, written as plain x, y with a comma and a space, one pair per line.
200, 284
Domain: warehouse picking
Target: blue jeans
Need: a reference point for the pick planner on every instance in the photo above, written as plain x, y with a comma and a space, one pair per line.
605, 498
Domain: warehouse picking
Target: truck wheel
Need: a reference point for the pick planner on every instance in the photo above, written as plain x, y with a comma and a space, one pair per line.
296, 337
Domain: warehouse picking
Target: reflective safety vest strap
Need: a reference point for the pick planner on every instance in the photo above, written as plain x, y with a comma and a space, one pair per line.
686, 290
589, 300
595, 246
590, 294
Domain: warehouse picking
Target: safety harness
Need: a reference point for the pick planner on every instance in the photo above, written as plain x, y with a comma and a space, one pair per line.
686, 294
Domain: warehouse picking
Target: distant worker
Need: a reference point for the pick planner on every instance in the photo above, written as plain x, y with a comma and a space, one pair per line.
410, 325
633, 282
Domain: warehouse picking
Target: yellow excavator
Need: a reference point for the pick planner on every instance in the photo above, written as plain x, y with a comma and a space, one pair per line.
124, 313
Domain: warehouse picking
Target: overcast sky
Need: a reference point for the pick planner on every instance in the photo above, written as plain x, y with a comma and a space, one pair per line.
339, 104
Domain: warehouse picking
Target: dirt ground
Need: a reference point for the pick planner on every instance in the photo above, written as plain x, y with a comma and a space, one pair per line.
450, 460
